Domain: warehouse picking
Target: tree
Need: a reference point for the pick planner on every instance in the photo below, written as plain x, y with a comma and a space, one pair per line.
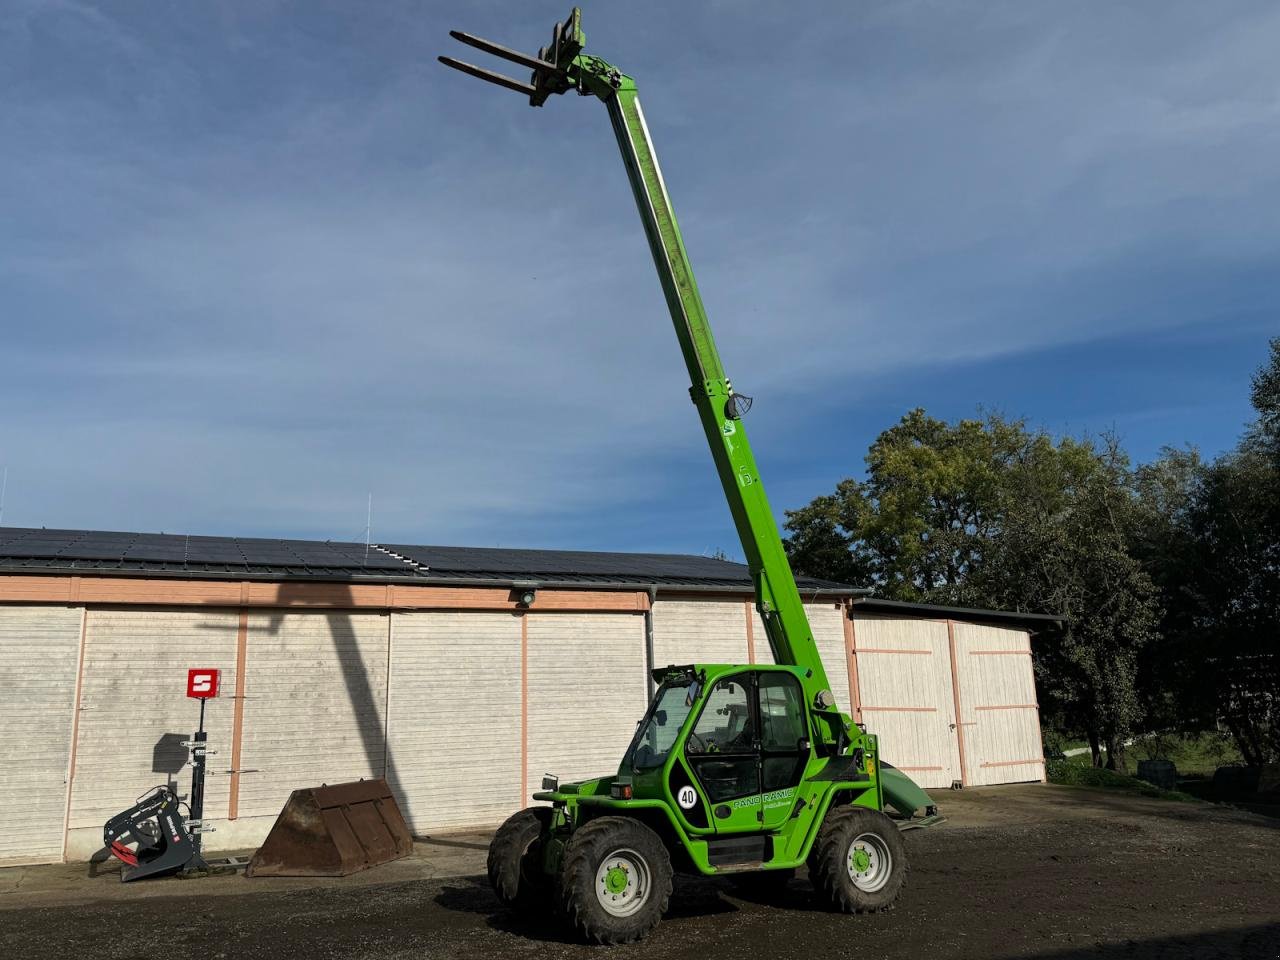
1234, 582
1069, 516
919, 524
1265, 396
1169, 492
1211, 538
989, 513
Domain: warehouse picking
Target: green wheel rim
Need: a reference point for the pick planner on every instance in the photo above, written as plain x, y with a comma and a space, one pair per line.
623, 883
869, 862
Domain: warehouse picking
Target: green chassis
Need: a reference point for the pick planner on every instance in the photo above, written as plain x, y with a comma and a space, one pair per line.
787, 818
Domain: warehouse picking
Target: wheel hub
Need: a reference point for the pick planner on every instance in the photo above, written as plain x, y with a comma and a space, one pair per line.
622, 883
615, 881
869, 862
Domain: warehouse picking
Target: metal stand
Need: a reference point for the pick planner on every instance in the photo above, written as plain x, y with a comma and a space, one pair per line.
198, 746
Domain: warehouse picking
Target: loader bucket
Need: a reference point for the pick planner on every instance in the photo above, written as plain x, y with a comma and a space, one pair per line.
331, 831
901, 793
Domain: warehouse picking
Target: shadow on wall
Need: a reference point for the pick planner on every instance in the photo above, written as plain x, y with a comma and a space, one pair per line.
364, 699
297, 598
169, 756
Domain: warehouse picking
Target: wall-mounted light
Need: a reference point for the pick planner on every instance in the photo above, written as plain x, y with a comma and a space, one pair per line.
525, 596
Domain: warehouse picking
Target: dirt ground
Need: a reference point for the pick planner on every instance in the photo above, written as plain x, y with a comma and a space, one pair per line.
1026, 871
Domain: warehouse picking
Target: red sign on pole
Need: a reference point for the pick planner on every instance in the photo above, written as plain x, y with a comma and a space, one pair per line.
202, 684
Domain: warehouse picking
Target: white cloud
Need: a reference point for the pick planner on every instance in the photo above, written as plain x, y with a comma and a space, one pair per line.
260, 263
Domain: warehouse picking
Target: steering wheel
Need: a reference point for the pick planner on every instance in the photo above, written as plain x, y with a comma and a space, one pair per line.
699, 745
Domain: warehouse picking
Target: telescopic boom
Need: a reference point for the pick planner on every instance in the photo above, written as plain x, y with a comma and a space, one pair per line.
563, 67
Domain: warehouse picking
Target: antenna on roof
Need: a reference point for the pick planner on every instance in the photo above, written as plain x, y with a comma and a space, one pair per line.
368, 529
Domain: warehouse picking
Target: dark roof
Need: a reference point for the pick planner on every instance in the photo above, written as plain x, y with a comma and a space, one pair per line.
1010, 617
32, 550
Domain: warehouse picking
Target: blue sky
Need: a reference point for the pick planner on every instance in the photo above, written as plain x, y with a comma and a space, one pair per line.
259, 260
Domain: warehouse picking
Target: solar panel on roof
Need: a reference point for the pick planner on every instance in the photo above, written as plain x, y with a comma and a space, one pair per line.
37, 547
488, 559
217, 556
33, 550
155, 553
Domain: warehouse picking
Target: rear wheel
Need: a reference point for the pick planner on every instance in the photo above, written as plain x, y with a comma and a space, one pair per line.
615, 882
515, 861
859, 862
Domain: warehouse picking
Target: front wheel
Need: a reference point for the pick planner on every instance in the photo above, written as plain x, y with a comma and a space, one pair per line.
859, 862
616, 880
515, 860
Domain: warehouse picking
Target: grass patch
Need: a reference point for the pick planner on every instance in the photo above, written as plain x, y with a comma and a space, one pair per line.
1072, 774
1195, 755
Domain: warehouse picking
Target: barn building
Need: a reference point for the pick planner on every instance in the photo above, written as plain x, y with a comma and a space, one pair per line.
422, 664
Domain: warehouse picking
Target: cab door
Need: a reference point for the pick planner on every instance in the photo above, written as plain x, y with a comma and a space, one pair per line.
784, 745
723, 753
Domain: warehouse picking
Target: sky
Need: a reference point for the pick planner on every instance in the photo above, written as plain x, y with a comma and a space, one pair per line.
261, 261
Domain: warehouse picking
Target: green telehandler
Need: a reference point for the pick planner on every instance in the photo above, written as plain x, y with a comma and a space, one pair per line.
749, 771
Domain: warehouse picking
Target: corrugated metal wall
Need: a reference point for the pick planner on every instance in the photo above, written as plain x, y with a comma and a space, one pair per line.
587, 689
134, 711
315, 695
698, 631
454, 718
39, 654
445, 703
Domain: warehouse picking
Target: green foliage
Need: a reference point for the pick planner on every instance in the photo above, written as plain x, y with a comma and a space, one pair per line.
1168, 575
1265, 397
989, 513
1070, 774
1194, 754
924, 517
1212, 538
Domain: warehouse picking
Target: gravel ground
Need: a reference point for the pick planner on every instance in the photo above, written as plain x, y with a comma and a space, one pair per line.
1031, 871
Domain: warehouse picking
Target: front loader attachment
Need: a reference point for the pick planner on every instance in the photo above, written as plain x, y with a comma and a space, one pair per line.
151, 838
331, 831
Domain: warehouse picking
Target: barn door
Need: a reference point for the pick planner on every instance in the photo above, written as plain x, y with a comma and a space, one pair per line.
904, 677
996, 695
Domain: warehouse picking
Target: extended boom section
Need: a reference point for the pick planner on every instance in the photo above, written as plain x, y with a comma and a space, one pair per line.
558, 69
719, 407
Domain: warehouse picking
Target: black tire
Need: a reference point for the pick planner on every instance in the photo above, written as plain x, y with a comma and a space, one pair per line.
834, 860
515, 861
640, 860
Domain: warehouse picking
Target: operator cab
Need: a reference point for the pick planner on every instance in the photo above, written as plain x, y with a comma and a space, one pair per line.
725, 745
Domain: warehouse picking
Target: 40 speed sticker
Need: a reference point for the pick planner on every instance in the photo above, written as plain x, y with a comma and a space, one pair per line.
687, 798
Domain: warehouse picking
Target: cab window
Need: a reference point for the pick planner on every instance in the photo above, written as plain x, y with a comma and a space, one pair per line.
721, 749
781, 712
725, 725
784, 741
